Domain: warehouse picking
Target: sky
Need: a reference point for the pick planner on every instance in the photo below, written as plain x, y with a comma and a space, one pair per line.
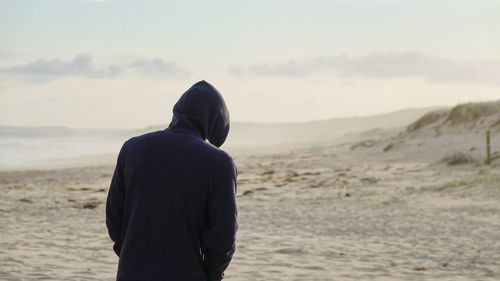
123, 64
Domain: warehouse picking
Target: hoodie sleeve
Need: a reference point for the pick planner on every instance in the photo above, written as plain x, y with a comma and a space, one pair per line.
219, 239
115, 203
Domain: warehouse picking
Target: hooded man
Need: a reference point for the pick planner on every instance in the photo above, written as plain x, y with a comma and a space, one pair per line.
171, 209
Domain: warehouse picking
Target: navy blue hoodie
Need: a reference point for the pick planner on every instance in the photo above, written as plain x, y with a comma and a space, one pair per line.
171, 209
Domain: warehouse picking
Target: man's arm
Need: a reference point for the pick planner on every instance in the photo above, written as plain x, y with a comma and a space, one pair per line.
219, 239
115, 203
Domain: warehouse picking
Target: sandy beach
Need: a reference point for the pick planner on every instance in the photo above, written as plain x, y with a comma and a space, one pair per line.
338, 212
413, 203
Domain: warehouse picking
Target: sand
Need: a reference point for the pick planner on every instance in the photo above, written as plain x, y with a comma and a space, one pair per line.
318, 213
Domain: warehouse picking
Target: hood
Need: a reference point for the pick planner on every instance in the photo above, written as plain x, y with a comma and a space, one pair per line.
202, 110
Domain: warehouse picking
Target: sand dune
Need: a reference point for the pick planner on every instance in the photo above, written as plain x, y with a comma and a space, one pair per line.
458, 132
463, 118
316, 132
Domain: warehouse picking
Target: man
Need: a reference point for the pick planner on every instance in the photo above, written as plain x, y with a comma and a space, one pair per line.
171, 209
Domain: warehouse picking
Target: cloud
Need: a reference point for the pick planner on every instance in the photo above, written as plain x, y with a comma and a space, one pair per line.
156, 66
383, 65
82, 65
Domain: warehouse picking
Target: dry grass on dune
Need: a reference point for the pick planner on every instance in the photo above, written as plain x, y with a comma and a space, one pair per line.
471, 116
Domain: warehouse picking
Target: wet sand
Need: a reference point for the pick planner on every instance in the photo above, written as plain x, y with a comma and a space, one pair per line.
323, 213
